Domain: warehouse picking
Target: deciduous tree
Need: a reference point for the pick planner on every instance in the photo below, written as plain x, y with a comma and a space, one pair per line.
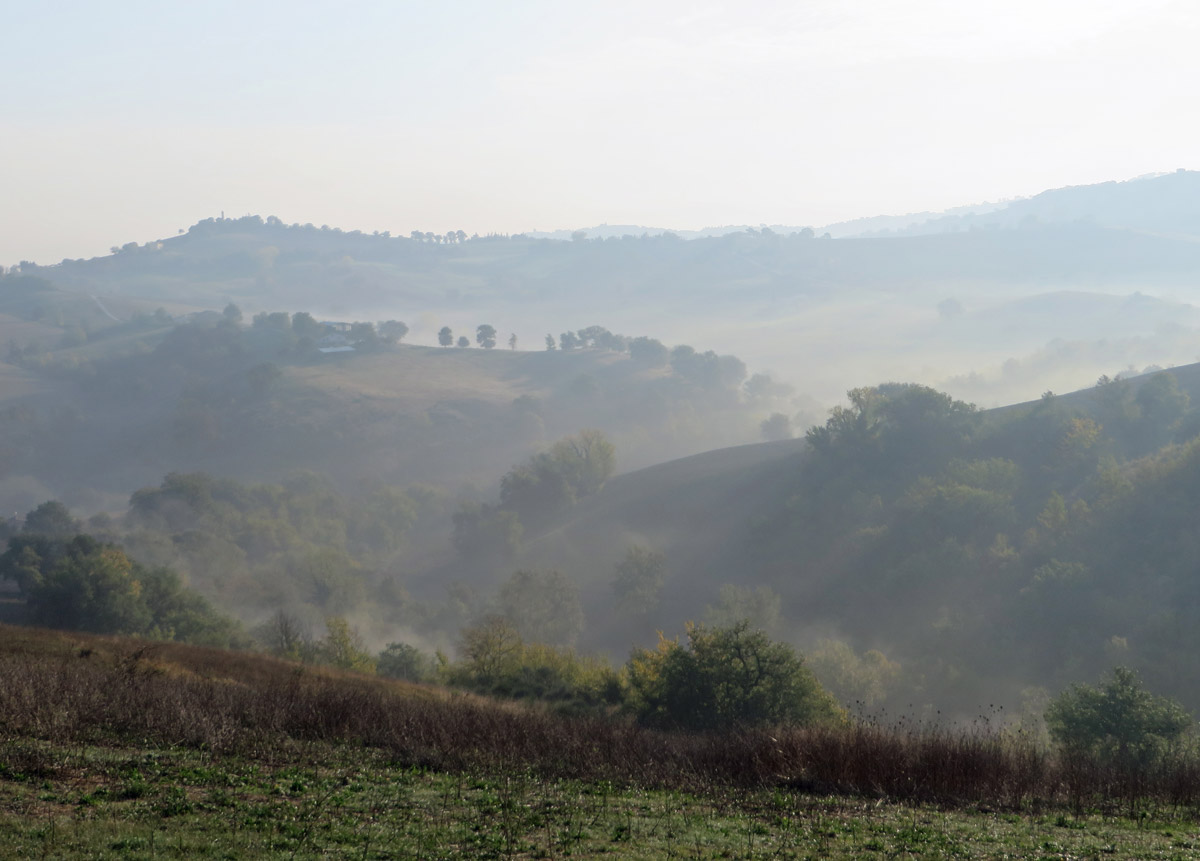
392, 331
1118, 721
725, 678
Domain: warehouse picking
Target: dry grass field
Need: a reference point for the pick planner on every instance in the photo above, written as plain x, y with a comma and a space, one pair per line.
122, 748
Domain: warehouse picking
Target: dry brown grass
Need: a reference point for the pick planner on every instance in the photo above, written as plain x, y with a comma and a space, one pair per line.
76, 689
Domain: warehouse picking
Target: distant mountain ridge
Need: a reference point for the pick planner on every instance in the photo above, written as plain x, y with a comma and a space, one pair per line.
1162, 203
1159, 203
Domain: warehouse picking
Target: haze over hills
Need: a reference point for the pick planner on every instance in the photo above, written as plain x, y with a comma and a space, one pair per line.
1050, 533
405, 482
138, 400
1030, 292
1164, 202
819, 479
1159, 203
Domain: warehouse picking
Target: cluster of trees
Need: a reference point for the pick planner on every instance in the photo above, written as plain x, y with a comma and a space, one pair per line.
450, 237
572, 468
214, 391
301, 331
707, 370
720, 678
590, 338
639, 579
300, 546
76, 582
495, 659
299, 543
286, 636
530, 493
521, 646
485, 337
1028, 546
723, 677
206, 338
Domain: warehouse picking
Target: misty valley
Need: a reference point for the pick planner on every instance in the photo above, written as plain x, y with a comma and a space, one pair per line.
899, 509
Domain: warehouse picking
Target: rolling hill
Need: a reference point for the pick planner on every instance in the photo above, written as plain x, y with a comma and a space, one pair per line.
988, 552
91, 422
944, 305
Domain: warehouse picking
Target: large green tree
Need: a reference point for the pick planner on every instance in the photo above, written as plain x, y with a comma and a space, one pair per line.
485, 336
725, 678
392, 331
1118, 721
574, 467
51, 519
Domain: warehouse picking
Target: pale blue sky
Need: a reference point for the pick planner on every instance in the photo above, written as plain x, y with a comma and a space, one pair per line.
126, 121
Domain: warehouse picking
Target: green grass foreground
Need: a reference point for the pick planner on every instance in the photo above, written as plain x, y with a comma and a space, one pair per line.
125, 803
114, 748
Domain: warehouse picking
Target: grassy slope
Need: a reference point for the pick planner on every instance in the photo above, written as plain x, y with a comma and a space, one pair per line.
417, 378
114, 748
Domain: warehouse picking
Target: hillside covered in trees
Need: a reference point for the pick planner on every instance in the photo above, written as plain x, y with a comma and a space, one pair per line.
922, 553
482, 461
937, 553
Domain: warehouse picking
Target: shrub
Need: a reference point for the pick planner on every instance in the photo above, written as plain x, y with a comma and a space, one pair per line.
495, 660
1118, 721
403, 661
725, 678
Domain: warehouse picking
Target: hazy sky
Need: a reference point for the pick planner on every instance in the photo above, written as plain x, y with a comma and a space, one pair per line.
126, 121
